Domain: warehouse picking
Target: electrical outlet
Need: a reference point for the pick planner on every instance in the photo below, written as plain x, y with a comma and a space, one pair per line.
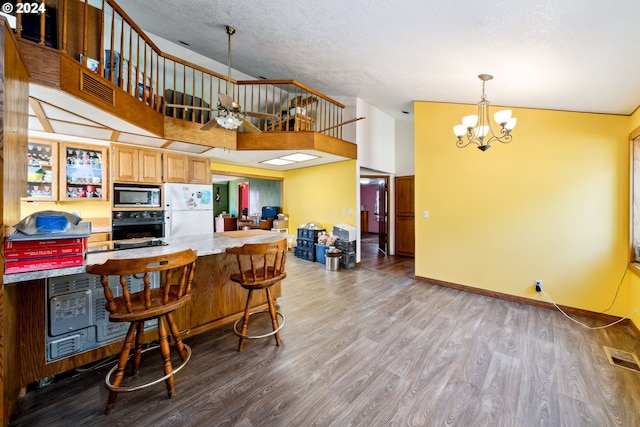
538, 285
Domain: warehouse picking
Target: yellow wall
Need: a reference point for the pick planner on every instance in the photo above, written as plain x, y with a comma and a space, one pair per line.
86, 209
320, 193
552, 205
244, 171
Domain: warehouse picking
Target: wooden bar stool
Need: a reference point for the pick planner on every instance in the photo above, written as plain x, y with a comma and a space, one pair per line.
260, 265
176, 276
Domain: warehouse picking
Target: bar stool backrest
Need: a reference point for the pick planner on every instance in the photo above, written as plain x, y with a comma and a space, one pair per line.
177, 271
260, 263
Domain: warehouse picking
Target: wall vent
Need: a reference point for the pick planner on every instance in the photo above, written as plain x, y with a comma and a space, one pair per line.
93, 86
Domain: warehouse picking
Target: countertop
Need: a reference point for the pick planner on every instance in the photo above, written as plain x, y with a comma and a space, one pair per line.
203, 245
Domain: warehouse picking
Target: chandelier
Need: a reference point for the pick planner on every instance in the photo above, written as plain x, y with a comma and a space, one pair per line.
476, 129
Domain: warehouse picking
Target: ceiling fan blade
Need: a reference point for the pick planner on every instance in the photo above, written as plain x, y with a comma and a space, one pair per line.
209, 125
249, 126
265, 116
225, 100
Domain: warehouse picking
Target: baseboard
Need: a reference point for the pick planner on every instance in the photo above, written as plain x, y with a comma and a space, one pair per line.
607, 318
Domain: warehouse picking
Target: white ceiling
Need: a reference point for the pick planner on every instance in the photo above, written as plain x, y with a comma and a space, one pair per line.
552, 54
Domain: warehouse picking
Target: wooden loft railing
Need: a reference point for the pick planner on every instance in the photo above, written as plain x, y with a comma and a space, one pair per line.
100, 35
299, 107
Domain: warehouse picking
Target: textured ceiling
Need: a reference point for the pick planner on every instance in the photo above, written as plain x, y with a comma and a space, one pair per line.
552, 54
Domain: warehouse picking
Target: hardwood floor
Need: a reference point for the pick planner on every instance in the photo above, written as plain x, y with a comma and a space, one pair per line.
364, 347
371, 257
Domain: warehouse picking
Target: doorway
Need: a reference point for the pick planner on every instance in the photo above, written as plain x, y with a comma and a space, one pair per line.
374, 211
243, 200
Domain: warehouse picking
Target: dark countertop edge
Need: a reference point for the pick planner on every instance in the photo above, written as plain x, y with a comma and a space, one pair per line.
215, 244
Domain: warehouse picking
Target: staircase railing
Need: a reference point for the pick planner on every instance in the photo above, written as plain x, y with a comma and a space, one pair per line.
100, 35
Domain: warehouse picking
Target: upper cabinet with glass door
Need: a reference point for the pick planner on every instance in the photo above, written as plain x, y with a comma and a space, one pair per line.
83, 172
42, 171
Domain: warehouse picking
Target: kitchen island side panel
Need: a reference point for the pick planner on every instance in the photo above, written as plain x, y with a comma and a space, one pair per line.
216, 301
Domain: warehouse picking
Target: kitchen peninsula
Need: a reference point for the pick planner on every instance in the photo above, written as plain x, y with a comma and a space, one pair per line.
215, 299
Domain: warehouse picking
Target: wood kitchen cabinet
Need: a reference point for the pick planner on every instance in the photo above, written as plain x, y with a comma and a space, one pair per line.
185, 168
132, 164
199, 170
83, 172
42, 171
176, 167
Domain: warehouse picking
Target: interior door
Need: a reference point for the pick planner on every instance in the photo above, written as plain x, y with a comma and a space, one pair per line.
383, 217
243, 199
405, 215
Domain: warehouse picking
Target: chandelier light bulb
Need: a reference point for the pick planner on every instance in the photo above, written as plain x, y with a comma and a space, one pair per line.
502, 117
470, 121
459, 130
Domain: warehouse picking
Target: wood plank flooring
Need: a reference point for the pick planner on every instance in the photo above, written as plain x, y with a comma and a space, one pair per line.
363, 347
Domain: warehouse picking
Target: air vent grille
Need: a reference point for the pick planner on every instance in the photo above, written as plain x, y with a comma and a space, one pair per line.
64, 346
89, 84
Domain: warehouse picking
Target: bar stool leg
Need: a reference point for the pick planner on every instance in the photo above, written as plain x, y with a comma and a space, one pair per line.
274, 316
175, 333
122, 363
245, 320
137, 353
166, 356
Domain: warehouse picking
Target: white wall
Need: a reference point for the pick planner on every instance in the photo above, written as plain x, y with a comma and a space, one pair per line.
375, 138
349, 113
405, 164
183, 53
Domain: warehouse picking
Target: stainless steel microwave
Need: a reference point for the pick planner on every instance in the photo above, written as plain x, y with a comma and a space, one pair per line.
125, 196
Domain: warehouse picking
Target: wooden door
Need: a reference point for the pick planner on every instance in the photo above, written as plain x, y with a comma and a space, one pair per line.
383, 215
405, 215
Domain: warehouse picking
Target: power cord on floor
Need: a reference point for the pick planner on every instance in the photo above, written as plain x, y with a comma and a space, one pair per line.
607, 309
615, 297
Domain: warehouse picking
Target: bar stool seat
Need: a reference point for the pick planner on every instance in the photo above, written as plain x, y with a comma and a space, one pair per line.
176, 272
260, 266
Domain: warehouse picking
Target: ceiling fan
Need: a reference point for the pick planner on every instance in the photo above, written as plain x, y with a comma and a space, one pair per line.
230, 115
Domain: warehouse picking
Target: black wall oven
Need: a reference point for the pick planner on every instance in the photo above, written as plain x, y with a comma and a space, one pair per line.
137, 224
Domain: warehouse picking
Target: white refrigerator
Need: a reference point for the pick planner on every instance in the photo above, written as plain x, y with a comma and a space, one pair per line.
188, 209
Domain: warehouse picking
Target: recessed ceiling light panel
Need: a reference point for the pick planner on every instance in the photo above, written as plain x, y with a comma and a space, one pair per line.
277, 162
299, 157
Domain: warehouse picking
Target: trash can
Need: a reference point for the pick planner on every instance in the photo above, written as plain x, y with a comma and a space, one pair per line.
333, 259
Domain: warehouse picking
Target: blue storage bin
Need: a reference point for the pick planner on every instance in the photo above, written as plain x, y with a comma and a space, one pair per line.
321, 253
270, 212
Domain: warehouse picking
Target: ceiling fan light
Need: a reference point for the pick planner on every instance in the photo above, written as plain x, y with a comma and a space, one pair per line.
459, 130
501, 117
470, 121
